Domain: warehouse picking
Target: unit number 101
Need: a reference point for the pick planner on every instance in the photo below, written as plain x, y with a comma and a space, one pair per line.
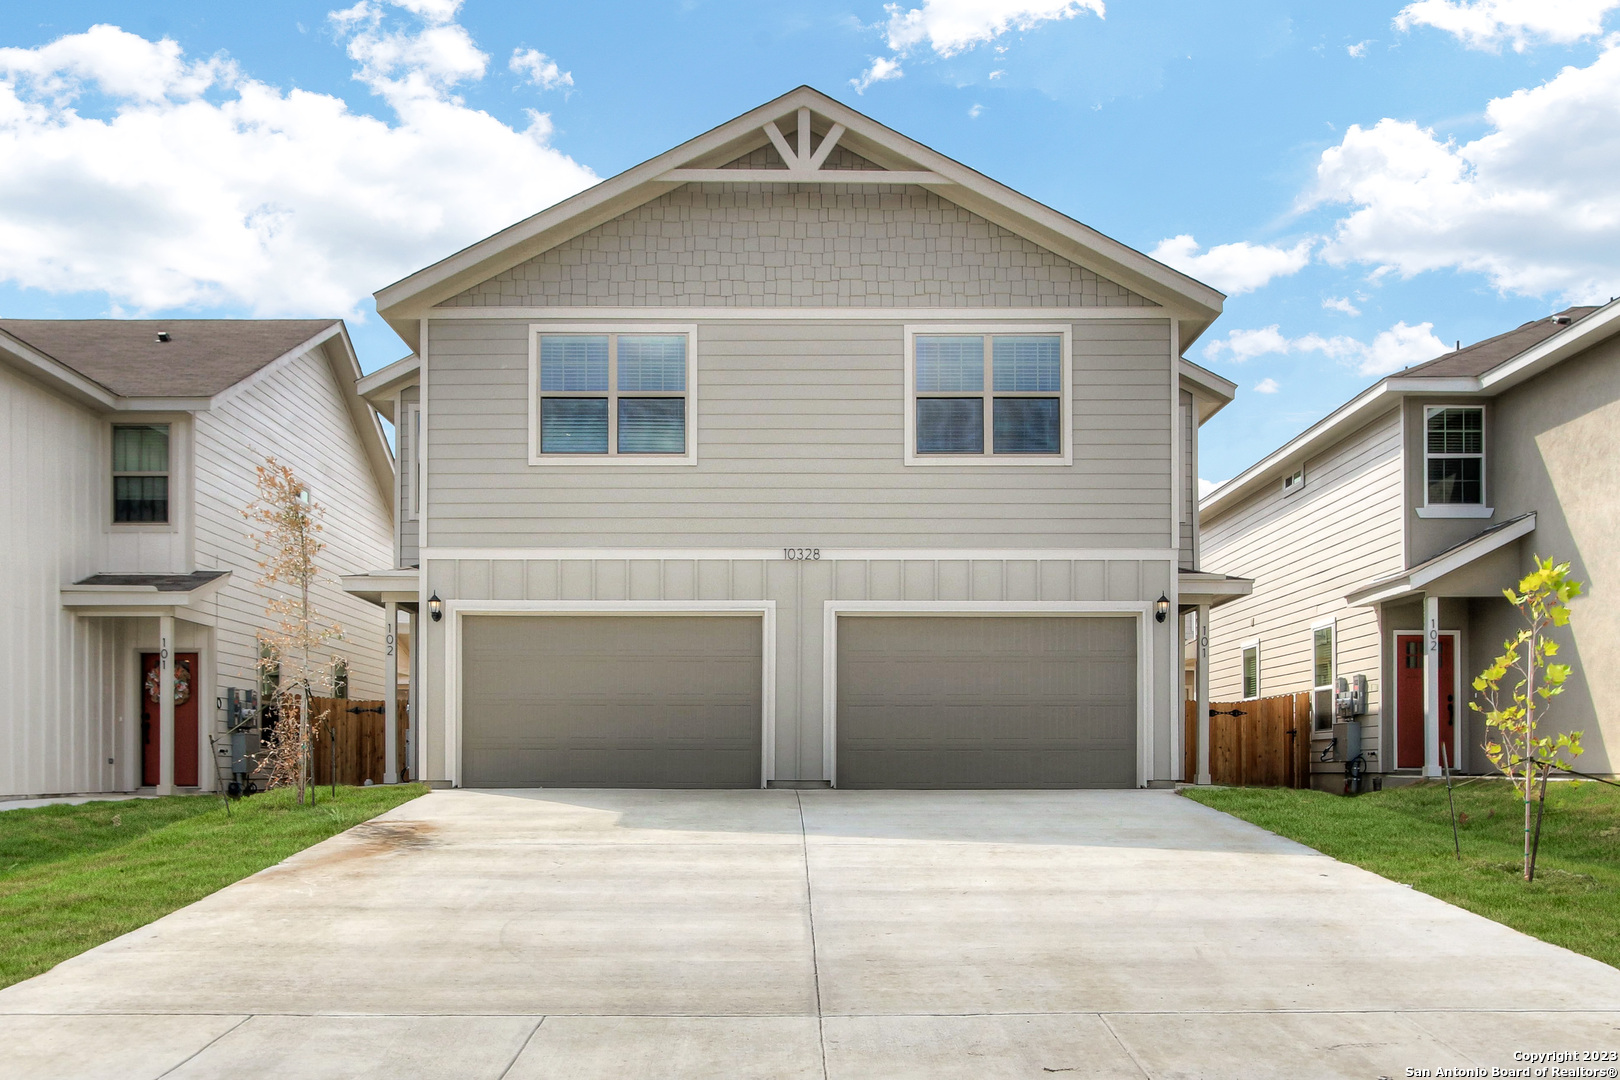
801, 554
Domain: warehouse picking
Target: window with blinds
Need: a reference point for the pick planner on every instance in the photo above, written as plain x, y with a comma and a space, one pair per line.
987, 395
608, 395
1323, 665
1454, 455
140, 474
1251, 670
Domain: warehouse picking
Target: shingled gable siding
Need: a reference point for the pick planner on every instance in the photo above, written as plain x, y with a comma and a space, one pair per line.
794, 245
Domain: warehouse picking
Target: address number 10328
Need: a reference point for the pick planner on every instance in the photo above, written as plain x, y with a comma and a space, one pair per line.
801, 554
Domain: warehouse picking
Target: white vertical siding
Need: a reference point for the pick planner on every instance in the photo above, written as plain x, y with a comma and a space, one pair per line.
296, 412
1305, 552
58, 715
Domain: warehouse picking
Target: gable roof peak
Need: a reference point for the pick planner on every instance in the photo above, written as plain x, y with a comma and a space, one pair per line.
804, 126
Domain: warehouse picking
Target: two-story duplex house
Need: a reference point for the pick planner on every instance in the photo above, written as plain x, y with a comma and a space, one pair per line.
799, 454
130, 450
1380, 540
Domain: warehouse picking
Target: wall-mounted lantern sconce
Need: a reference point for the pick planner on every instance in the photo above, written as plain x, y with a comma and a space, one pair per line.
436, 607
1161, 609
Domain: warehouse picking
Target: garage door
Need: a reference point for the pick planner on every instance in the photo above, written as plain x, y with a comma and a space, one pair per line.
611, 701
976, 702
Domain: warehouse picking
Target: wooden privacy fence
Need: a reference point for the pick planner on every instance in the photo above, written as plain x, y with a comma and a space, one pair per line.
1267, 744
352, 734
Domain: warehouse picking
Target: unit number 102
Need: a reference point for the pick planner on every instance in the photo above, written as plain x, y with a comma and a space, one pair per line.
801, 554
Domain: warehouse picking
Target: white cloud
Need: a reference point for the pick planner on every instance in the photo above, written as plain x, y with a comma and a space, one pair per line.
1266, 386
1399, 346
998, 74
539, 69
1340, 303
1486, 24
1233, 268
1358, 50
952, 26
197, 187
882, 69
1532, 204
1207, 486
977, 111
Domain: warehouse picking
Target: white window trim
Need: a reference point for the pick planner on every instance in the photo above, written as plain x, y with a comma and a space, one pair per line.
1139, 611
1244, 647
173, 473
456, 610
1333, 675
1481, 509
1066, 410
613, 457
1294, 489
410, 414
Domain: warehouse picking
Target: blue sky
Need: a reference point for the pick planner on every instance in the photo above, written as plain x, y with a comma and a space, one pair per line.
1366, 201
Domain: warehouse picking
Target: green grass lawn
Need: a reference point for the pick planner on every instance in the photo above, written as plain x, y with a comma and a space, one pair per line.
1404, 834
72, 877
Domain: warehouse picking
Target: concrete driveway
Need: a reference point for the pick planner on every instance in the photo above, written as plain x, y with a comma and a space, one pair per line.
588, 934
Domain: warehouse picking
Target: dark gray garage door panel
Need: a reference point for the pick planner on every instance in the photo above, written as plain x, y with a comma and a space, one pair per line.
611, 701
1017, 702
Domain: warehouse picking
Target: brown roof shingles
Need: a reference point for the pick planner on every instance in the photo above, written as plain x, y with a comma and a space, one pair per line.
202, 357
1482, 356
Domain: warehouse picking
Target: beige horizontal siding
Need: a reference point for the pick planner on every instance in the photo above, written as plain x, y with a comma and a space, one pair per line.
800, 441
1305, 552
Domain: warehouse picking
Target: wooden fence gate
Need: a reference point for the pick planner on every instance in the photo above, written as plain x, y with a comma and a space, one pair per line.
351, 737
1265, 742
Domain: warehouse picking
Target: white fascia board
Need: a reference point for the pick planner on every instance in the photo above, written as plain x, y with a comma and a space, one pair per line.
1414, 580
1207, 387
410, 298
1597, 327
52, 371
385, 382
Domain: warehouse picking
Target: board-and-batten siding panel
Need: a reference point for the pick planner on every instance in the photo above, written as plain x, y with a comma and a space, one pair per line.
59, 721
296, 413
410, 525
1305, 552
800, 441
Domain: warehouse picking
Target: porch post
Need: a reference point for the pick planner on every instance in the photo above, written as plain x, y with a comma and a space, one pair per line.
166, 705
1431, 686
1201, 676
390, 693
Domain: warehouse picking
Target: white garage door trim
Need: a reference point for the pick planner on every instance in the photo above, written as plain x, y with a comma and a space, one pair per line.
455, 610
1141, 611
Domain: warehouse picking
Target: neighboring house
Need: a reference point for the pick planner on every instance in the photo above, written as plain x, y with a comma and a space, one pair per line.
1398, 520
131, 448
799, 454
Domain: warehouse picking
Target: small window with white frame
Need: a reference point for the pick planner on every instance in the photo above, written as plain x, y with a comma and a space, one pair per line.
1251, 670
1454, 455
1324, 669
988, 395
613, 395
1294, 481
140, 474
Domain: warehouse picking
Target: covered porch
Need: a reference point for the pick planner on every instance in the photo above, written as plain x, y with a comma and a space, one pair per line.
398, 593
1440, 622
1199, 592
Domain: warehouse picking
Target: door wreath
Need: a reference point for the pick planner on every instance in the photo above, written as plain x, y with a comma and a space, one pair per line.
182, 683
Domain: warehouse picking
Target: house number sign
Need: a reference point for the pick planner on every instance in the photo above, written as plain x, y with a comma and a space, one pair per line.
801, 554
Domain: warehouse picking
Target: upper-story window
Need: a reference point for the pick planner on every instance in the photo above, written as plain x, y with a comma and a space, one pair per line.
1294, 481
1454, 455
603, 396
996, 396
140, 474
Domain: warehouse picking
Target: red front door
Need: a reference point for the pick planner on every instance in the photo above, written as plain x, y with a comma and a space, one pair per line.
1409, 700
185, 720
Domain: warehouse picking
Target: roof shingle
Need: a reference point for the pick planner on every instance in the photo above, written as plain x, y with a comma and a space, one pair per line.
202, 357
